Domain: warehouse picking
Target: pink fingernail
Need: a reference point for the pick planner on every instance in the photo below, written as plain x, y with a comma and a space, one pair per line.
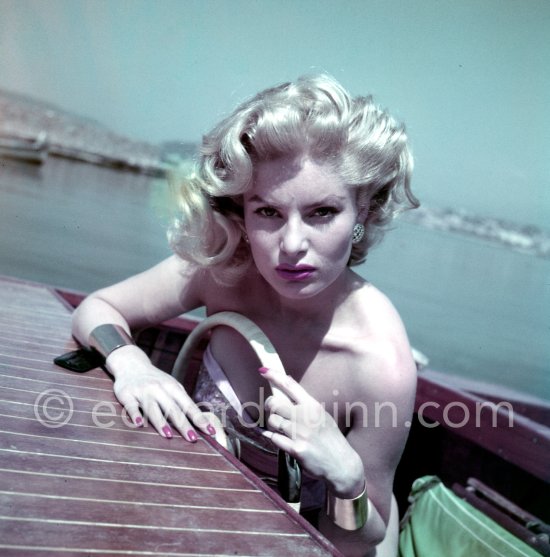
263, 370
211, 429
139, 421
192, 436
167, 432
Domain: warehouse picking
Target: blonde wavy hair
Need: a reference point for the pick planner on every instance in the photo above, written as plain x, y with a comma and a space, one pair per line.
315, 117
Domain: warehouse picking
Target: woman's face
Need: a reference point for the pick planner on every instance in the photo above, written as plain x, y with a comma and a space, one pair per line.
299, 218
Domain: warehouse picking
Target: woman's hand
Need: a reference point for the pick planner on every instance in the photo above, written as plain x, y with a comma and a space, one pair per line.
299, 425
146, 391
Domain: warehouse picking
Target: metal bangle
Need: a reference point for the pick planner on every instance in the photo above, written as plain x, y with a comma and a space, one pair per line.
349, 514
107, 338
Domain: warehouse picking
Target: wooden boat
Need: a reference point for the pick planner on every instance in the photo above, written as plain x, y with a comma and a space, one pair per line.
496, 455
488, 445
77, 479
28, 150
36, 150
110, 161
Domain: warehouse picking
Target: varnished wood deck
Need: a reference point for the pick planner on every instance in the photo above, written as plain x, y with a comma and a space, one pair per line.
75, 479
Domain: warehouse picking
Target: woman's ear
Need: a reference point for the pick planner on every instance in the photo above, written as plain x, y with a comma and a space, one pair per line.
363, 214
363, 203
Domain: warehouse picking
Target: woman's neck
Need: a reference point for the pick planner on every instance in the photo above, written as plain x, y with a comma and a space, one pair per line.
320, 308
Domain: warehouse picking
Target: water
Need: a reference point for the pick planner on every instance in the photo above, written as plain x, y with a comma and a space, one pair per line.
475, 308
78, 226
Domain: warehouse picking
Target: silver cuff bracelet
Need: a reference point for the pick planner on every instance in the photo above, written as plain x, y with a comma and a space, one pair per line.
107, 338
349, 514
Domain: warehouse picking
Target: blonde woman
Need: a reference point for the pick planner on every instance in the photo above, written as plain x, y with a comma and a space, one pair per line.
290, 191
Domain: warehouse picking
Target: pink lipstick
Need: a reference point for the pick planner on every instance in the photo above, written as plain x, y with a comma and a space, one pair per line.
295, 272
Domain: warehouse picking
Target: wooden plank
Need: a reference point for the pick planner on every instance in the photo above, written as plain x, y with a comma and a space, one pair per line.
504, 520
495, 427
496, 499
76, 478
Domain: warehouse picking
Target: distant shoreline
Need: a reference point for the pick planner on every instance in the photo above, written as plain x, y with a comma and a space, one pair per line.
29, 118
526, 239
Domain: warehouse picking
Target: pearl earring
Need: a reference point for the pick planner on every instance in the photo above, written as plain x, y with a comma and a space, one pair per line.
358, 233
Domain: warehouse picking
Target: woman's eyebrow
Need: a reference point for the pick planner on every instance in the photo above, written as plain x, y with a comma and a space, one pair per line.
256, 199
328, 200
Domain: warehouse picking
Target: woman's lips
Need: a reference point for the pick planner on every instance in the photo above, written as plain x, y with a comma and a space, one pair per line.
295, 273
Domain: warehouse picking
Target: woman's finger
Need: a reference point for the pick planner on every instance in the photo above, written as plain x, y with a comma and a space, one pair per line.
280, 405
281, 441
193, 412
134, 414
285, 383
181, 423
131, 406
156, 417
278, 424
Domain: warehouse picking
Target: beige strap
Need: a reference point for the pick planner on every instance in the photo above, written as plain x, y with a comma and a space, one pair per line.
264, 350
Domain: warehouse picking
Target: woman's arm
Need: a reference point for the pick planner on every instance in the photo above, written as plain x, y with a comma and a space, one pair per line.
170, 288
378, 436
367, 455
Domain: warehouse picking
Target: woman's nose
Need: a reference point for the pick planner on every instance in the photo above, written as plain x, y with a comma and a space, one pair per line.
294, 238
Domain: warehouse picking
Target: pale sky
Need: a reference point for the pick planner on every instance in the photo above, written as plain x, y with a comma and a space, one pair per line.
470, 78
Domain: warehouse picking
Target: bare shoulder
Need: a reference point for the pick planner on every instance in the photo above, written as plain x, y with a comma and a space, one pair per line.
382, 389
388, 370
242, 295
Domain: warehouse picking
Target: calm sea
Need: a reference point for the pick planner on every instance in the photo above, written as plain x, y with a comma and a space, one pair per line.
474, 308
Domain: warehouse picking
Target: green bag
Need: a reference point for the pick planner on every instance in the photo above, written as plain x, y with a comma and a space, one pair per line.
438, 523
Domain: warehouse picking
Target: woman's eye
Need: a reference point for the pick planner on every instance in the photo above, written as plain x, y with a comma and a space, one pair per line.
325, 212
266, 212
